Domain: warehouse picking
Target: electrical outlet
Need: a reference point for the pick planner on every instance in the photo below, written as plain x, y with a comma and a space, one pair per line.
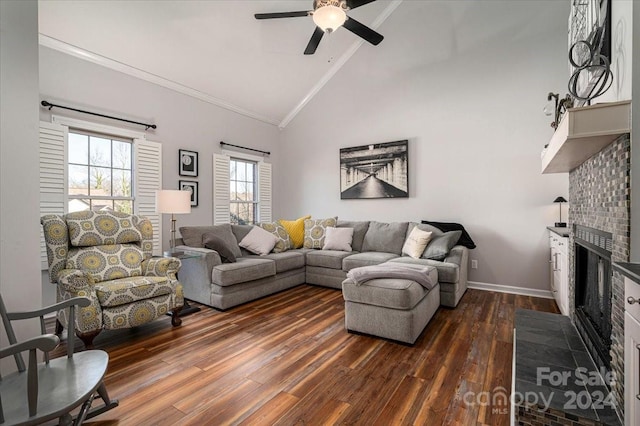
474, 264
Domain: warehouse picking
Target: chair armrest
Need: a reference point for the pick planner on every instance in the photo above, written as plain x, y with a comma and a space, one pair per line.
45, 342
161, 267
77, 301
74, 280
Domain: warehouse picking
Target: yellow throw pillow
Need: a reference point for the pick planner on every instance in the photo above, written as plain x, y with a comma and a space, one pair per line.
295, 229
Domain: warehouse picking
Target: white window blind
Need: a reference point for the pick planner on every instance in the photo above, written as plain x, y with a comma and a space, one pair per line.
264, 192
148, 179
221, 208
53, 180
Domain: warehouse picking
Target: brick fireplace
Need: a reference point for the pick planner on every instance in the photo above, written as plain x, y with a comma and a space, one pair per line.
599, 198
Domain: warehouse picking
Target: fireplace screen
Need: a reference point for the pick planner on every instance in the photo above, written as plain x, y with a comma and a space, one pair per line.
593, 277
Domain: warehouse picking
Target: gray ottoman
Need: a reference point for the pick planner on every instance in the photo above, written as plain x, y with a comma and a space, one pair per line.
396, 309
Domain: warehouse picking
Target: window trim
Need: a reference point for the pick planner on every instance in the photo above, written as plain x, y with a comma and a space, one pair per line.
74, 123
117, 138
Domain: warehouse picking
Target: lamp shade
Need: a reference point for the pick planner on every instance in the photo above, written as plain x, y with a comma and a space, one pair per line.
329, 17
173, 201
559, 200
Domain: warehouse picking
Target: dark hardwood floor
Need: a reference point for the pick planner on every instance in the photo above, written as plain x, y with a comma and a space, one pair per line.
287, 359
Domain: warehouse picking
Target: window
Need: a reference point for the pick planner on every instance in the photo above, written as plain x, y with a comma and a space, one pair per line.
99, 173
242, 191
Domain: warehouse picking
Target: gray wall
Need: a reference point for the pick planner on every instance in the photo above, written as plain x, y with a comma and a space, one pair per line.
19, 185
474, 122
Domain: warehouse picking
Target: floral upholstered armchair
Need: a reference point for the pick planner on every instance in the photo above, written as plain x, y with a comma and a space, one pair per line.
107, 257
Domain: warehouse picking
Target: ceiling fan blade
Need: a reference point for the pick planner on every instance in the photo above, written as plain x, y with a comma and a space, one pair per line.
363, 31
314, 42
357, 3
282, 14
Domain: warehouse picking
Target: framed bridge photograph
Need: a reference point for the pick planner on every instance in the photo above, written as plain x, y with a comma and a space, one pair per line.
375, 171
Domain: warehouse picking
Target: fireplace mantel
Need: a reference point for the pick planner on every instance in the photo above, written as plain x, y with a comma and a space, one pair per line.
583, 132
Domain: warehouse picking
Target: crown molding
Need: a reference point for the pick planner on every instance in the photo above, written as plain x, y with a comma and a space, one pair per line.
393, 5
78, 52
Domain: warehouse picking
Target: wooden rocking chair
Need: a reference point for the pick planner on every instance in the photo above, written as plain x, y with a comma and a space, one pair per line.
53, 388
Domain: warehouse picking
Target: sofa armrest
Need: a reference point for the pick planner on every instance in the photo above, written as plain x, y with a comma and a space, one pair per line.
196, 272
459, 255
211, 257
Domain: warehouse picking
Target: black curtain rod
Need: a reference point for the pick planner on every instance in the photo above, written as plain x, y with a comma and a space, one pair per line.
244, 147
50, 105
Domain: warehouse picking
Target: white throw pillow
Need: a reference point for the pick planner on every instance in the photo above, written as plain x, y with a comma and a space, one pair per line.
259, 241
338, 239
416, 243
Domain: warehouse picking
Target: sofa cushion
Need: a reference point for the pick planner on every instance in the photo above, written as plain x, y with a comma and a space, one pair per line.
285, 261
366, 259
284, 242
192, 236
385, 237
245, 269
259, 241
107, 262
314, 231
359, 231
295, 229
338, 239
213, 242
132, 289
387, 292
93, 228
327, 258
448, 272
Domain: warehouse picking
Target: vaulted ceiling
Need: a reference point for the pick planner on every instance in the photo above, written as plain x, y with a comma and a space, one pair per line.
217, 51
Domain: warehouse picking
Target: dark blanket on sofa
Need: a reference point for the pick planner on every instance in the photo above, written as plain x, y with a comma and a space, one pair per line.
465, 238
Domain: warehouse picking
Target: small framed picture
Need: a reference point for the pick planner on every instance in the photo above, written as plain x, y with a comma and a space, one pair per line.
188, 163
191, 186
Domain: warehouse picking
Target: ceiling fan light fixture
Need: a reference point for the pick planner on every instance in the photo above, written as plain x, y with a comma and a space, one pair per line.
329, 17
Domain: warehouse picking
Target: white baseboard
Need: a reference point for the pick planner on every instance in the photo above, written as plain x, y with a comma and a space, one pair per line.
545, 294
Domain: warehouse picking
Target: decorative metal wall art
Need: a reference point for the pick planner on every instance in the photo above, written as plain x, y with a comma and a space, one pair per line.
589, 51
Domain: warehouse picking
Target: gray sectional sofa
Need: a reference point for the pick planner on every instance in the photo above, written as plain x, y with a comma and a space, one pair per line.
206, 279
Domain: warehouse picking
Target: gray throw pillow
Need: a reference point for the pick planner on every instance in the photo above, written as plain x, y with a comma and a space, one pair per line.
359, 231
193, 236
213, 242
440, 245
385, 237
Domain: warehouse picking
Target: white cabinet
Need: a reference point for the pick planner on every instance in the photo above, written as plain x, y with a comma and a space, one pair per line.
559, 270
631, 353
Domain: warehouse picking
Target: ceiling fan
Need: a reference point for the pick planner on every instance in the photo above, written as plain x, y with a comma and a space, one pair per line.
328, 15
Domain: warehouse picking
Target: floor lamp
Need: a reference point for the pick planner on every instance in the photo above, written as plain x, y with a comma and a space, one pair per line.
173, 201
